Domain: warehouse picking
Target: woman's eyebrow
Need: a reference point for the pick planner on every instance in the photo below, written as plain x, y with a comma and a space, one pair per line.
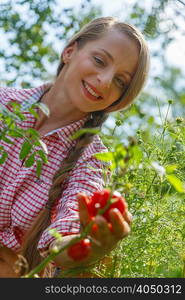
110, 56
107, 53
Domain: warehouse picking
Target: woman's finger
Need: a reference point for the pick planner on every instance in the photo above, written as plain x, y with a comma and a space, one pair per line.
102, 235
83, 210
127, 216
120, 226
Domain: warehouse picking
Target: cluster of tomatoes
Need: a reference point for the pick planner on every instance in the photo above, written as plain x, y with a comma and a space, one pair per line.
99, 203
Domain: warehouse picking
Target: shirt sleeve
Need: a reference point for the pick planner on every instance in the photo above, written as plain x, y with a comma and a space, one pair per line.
4, 92
87, 177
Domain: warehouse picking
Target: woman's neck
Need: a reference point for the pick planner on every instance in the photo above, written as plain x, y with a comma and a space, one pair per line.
59, 115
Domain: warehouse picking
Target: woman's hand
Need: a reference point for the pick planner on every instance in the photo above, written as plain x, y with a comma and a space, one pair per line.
8, 259
103, 240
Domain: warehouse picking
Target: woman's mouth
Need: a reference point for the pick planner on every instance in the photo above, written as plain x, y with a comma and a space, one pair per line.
89, 92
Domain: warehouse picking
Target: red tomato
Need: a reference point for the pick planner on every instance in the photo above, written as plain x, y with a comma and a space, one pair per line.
80, 250
100, 199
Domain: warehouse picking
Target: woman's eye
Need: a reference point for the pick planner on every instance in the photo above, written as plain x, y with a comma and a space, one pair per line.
99, 61
120, 82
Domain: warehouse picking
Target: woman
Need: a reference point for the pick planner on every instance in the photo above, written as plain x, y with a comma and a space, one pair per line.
102, 69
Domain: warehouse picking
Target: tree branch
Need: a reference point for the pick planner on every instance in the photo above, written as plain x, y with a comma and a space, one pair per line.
181, 2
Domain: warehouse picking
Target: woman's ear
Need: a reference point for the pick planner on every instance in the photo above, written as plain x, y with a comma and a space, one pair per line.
68, 53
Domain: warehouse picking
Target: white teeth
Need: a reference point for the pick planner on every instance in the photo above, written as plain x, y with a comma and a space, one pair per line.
90, 90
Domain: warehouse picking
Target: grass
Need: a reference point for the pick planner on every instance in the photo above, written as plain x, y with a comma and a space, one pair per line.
149, 171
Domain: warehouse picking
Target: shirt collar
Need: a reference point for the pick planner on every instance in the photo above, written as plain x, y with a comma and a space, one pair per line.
28, 97
70, 129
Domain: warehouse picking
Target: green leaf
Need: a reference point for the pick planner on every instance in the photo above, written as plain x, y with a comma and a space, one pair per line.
15, 133
82, 131
25, 150
3, 157
15, 105
30, 161
8, 114
43, 156
33, 112
57, 235
105, 156
171, 168
20, 116
134, 15
176, 182
32, 132
39, 168
150, 120
137, 154
3, 110
7, 140
120, 151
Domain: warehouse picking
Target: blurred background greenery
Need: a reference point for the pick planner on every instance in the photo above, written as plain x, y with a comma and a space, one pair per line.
33, 34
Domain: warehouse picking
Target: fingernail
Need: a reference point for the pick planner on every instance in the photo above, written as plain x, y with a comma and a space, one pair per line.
116, 210
130, 215
98, 219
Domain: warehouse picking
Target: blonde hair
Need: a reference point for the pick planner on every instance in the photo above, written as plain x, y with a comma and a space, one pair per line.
91, 31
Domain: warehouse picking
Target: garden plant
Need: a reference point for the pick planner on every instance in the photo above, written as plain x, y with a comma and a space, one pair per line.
148, 171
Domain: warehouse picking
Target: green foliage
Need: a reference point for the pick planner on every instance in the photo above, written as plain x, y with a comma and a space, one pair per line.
31, 141
161, 23
4, 156
34, 29
82, 131
155, 190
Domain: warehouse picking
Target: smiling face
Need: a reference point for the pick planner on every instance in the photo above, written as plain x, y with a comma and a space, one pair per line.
96, 75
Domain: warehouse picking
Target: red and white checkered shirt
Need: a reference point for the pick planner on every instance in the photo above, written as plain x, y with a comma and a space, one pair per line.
23, 195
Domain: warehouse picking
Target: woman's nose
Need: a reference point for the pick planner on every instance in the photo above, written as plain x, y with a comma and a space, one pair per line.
105, 79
